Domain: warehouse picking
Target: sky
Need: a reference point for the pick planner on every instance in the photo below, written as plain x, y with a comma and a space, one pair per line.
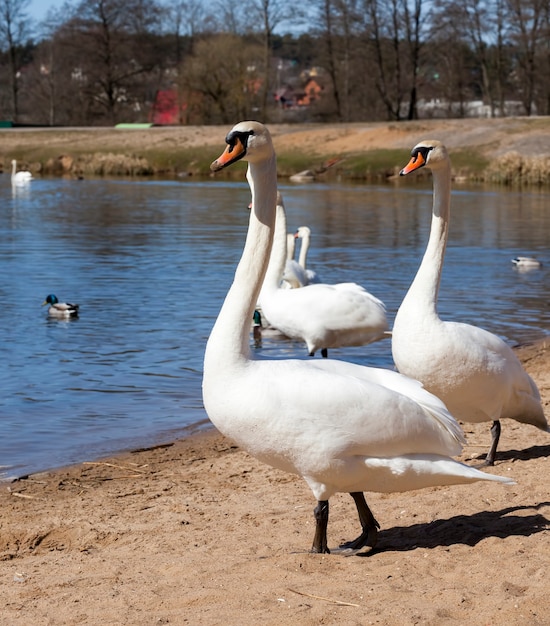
38, 9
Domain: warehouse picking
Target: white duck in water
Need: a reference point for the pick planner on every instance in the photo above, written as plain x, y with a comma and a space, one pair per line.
60, 309
324, 316
341, 426
526, 262
474, 372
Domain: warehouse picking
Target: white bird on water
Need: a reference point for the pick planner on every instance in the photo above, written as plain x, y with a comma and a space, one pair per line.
304, 234
19, 178
324, 316
294, 275
473, 371
341, 426
526, 262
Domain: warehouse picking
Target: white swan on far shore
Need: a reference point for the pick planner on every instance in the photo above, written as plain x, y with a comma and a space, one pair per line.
341, 426
473, 371
19, 178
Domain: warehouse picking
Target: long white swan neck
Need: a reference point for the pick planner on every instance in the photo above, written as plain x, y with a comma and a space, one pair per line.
304, 247
277, 260
290, 246
425, 287
229, 341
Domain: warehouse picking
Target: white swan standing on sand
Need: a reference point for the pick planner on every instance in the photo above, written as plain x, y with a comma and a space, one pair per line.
19, 178
341, 426
324, 316
474, 372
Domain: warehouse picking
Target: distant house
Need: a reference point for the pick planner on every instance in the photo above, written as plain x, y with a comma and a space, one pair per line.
166, 108
312, 91
300, 96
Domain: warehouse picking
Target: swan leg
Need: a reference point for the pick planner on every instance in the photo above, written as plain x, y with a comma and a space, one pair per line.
370, 526
321, 519
324, 353
495, 434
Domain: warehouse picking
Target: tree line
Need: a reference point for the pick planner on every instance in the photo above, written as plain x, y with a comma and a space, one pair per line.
103, 62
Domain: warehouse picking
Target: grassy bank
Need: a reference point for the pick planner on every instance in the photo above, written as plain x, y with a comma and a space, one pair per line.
513, 152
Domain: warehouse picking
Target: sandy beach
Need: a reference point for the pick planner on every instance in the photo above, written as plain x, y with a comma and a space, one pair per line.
198, 532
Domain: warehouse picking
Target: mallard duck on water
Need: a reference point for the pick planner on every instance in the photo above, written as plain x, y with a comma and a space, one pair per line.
60, 309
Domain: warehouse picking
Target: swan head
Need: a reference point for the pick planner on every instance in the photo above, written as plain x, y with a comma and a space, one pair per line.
430, 153
250, 141
303, 232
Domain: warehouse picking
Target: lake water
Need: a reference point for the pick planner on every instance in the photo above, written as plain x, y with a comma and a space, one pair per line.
150, 262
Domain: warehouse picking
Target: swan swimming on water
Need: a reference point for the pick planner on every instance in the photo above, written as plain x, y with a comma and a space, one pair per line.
21, 177
304, 234
473, 371
342, 427
322, 315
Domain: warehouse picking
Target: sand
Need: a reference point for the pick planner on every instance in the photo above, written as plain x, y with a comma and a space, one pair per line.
198, 532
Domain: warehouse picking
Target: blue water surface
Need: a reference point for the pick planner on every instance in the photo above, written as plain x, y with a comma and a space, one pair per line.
150, 262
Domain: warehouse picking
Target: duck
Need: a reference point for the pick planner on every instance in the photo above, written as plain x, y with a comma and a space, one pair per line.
322, 315
475, 373
18, 178
60, 309
341, 426
526, 262
304, 234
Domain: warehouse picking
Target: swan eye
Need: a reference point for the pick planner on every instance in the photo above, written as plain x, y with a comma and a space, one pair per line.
238, 137
423, 152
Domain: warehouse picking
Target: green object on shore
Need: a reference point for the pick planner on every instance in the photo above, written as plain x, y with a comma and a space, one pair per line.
126, 126
6, 124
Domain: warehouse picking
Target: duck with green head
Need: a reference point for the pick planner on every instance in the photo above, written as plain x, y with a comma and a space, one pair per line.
60, 309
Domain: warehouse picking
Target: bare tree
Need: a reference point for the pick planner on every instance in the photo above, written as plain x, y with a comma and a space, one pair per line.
113, 51
14, 30
387, 37
264, 17
221, 80
526, 30
339, 30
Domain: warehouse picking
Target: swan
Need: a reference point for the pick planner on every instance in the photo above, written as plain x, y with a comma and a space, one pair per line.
324, 316
60, 309
343, 427
526, 262
19, 177
304, 234
474, 372
294, 275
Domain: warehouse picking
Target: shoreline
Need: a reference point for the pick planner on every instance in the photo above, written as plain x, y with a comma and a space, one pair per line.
196, 531
509, 151
196, 429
